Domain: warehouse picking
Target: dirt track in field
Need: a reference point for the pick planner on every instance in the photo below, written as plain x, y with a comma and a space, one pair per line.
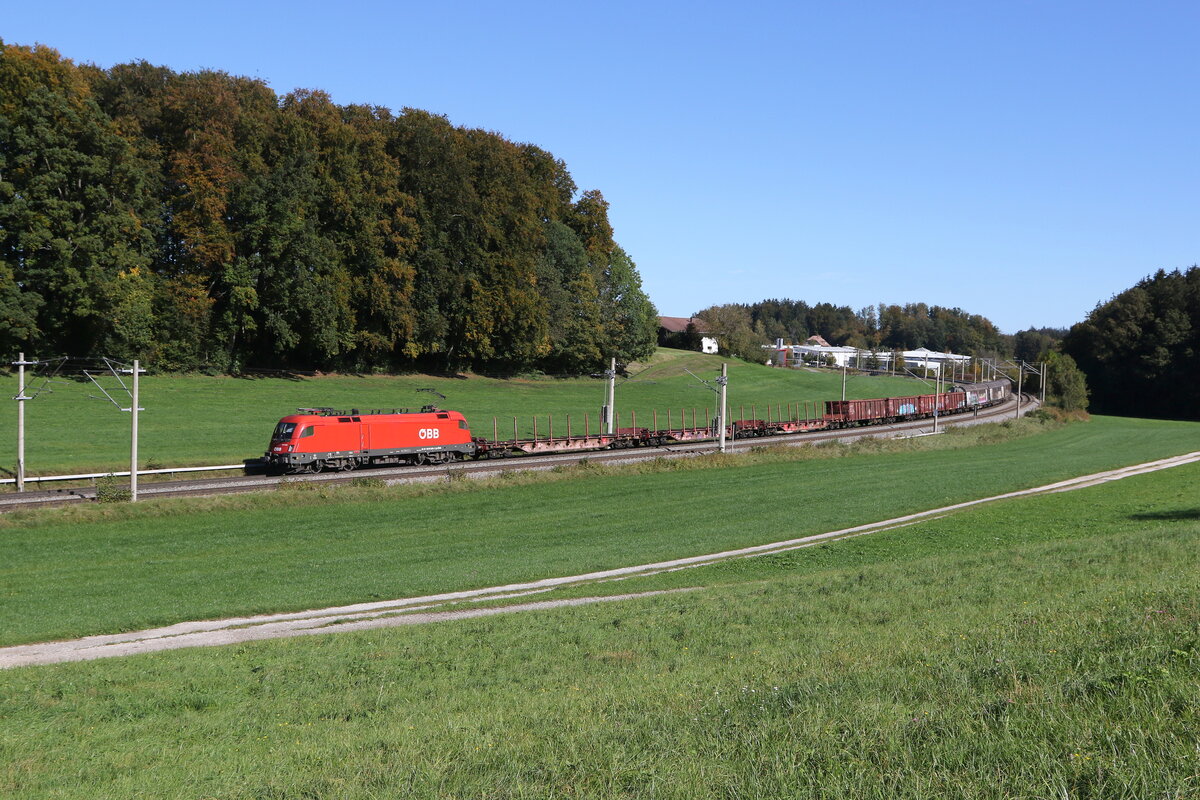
432, 608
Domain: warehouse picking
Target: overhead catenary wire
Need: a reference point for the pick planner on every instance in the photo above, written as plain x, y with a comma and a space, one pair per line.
91, 369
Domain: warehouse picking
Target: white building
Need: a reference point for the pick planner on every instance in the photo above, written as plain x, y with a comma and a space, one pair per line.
921, 358
671, 327
842, 356
932, 360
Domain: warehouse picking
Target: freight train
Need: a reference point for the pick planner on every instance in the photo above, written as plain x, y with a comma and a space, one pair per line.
317, 439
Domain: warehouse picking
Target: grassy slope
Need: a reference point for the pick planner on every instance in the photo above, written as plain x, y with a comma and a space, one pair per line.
1046, 647
97, 570
197, 420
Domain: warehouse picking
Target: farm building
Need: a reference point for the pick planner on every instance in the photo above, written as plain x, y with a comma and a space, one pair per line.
673, 332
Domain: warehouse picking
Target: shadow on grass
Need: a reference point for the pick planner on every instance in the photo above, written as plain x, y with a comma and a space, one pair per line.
285, 374
300, 375
1175, 514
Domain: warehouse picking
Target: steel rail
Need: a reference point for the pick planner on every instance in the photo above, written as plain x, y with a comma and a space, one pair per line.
123, 474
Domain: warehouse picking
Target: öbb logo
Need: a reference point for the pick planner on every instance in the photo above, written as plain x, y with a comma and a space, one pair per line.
429, 433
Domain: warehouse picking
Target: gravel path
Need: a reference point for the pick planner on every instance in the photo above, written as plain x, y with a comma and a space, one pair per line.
418, 610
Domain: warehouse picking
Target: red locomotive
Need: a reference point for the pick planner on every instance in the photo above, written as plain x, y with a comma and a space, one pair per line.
322, 438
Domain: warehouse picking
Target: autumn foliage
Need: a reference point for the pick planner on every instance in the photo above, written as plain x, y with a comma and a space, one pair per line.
200, 221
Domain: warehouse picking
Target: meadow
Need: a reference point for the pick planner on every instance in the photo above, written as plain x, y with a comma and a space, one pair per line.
1030, 648
198, 420
98, 569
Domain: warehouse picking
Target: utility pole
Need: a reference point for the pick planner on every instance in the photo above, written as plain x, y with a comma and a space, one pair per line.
134, 408
723, 382
611, 374
20, 364
133, 443
843, 381
1020, 375
1045, 378
720, 418
937, 397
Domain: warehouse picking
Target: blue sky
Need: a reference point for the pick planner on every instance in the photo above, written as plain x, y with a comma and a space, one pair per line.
1021, 160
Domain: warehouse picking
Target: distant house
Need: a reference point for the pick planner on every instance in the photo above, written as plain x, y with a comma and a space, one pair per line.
676, 325
673, 332
816, 351
824, 354
932, 360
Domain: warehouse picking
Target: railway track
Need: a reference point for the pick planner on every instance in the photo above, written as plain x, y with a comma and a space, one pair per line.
490, 467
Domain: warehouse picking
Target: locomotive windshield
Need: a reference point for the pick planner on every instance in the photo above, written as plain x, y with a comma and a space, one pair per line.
283, 431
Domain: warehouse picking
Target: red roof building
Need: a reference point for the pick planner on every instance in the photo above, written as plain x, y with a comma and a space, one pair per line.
679, 324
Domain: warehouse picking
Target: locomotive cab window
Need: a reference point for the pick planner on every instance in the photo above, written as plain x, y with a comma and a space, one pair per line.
284, 430
309, 431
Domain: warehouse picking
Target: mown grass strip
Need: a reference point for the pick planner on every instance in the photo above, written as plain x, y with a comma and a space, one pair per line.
70, 573
1043, 647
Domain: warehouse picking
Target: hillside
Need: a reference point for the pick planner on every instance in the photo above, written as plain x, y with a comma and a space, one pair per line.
201, 420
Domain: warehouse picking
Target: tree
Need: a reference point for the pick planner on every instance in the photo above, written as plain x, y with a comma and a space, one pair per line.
572, 302
72, 204
630, 319
222, 225
732, 326
18, 308
1140, 351
1066, 385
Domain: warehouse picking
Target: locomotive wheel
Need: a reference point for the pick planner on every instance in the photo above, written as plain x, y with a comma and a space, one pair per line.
347, 464
419, 459
316, 466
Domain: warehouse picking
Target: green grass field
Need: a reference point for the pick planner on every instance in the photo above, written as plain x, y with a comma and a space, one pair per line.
99, 569
1035, 648
200, 420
